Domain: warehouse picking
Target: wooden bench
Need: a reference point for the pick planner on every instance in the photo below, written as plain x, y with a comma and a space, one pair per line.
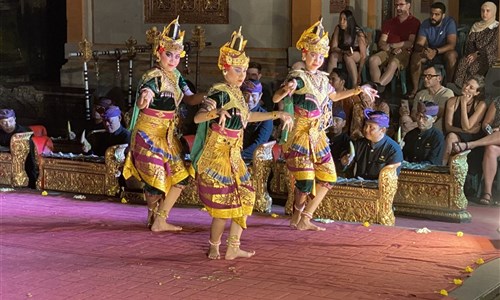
354, 202
260, 170
83, 174
13, 159
435, 192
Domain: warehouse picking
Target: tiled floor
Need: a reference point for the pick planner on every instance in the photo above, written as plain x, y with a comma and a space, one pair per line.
56, 247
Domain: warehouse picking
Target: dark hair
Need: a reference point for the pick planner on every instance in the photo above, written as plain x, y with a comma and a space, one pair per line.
439, 5
352, 28
255, 65
438, 70
340, 73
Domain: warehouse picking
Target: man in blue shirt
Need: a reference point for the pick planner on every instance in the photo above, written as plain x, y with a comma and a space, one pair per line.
376, 150
435, 43
256, 133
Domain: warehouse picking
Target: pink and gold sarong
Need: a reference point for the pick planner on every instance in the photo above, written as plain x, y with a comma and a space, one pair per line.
307, 153
155, 155
224, 183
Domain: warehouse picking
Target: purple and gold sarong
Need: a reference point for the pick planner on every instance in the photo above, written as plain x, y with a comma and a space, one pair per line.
307, 153
224, 183
155, 155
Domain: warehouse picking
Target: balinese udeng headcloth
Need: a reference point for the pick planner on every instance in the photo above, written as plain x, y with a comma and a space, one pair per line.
170, 39
232, 53
315, 39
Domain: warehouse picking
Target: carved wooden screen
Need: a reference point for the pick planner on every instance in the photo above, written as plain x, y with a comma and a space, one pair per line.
190, 11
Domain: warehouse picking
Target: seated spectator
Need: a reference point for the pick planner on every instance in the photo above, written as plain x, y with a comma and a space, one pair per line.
491, 142
254, 72
339, 140
99, 108
358, 115
396, 43
464, 114
436, 41
338, 78
433, 92
376, 150
481, 47
9, 127
114, 133
425, 144
348, 44
255, 133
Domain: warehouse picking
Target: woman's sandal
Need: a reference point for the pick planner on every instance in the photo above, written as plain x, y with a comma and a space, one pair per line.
457, 149
485, 201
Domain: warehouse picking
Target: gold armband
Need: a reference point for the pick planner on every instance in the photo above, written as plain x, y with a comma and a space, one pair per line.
358, 90
275, 115
212, 114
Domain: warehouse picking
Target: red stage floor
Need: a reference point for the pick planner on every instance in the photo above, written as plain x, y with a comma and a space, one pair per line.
56, 247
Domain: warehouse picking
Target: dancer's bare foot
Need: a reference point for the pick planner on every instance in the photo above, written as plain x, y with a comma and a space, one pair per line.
213, 251
235, 252
295, 219
161, 225
151, 217
305, 223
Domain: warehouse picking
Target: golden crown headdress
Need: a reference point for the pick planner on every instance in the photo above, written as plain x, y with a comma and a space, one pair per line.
232, 53
171, 38
315, 39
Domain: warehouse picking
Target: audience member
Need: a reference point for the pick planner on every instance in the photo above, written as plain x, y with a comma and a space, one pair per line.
254, 72
9, 127
433, 92
338, 79
114, 134
376, 150
396, 43
425, 144
358, 115
339, 140
349, 45
491, 142
99, 108
436, 41
464, 114
255, 133
480, 48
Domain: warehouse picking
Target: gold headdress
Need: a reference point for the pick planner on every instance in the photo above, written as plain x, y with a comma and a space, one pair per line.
315, 39
171, 38
233, 52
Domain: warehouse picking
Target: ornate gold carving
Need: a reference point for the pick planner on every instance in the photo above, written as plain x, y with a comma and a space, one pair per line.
261, 168
357, 204
86, 49
191, 11
81, 176
434, 195
12, 169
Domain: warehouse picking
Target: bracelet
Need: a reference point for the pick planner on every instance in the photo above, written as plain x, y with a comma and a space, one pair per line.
358, 90
275, 115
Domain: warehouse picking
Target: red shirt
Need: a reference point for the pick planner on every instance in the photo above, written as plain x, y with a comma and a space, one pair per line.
400, 31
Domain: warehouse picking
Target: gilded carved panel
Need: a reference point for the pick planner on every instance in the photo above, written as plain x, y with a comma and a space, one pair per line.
190, 11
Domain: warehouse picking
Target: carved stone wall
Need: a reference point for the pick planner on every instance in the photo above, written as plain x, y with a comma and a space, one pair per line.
192, 11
